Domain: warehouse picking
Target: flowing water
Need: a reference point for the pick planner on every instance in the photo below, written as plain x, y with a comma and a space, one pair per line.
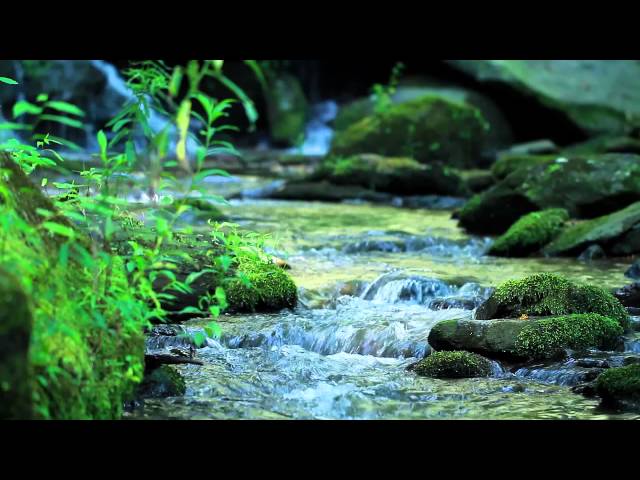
373, 280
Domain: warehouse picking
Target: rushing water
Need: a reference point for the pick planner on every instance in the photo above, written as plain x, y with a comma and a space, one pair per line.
373, 280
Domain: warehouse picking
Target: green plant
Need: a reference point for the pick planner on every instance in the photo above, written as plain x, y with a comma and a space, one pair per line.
381, 95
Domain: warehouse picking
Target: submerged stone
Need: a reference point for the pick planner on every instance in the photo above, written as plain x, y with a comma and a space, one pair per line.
453, 365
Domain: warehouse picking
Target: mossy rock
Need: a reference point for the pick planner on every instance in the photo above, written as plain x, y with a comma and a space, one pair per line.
617, 233
548, 336
324, 191
620, 385
498, 136
550, 294
493, 211
529, 234
508, 163
397, 175
16, 325
287, 108
261, 286
605, 144
458, 364
598, 96
428, 129
164, 381
586, 187
530, 339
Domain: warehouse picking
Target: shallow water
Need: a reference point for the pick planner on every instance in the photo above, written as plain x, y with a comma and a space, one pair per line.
371, 279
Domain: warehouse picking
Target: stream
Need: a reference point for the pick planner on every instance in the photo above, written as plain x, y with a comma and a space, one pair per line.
372, 281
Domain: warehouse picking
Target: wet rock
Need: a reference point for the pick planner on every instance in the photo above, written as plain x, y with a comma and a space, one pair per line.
617, 233
453, 365
428, 129
536, 338
508, 162
324, 191
633, 271
536, 147
479, 181
529, 234
591, 253
592, 363
585, 186
605, 144
164, 381
396, 175
430, 202
454, 302
550, 294
596, 95
629, 295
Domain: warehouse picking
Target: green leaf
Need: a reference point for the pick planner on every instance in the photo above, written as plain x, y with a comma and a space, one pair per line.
43, 97
70, 122
22, 106
102, 141
8, 81
58, 229
65, 107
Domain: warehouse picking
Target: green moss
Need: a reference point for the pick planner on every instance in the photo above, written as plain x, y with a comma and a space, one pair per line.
551, 294
510, 162
622, 383
545, 338
458, 364
260, 285
400, 175
164, 381
530, 233
428, 129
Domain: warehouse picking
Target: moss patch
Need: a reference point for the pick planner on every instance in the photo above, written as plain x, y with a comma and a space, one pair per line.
621, 383
546, 337
457, 364
530, 233
260, 286
508, 163
550, 294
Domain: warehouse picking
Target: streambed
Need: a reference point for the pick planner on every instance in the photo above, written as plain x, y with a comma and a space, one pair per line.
372, 281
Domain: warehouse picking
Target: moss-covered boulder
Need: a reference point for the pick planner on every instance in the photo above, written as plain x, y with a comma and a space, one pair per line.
428, 129
262, 286
596, 95
397, 175
620, 386
534, 338
550, 294
498, 136
453, 365
16, 324
585, 186
617, 233
286, 107
529, 234
604, 144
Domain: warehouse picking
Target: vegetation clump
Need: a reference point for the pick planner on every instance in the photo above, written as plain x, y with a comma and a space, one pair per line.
620, 384
530, 233
427, 129
547, 337
260, 285
455, 364
550, 294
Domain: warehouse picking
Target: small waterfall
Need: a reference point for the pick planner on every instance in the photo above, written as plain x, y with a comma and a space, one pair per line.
318, 134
